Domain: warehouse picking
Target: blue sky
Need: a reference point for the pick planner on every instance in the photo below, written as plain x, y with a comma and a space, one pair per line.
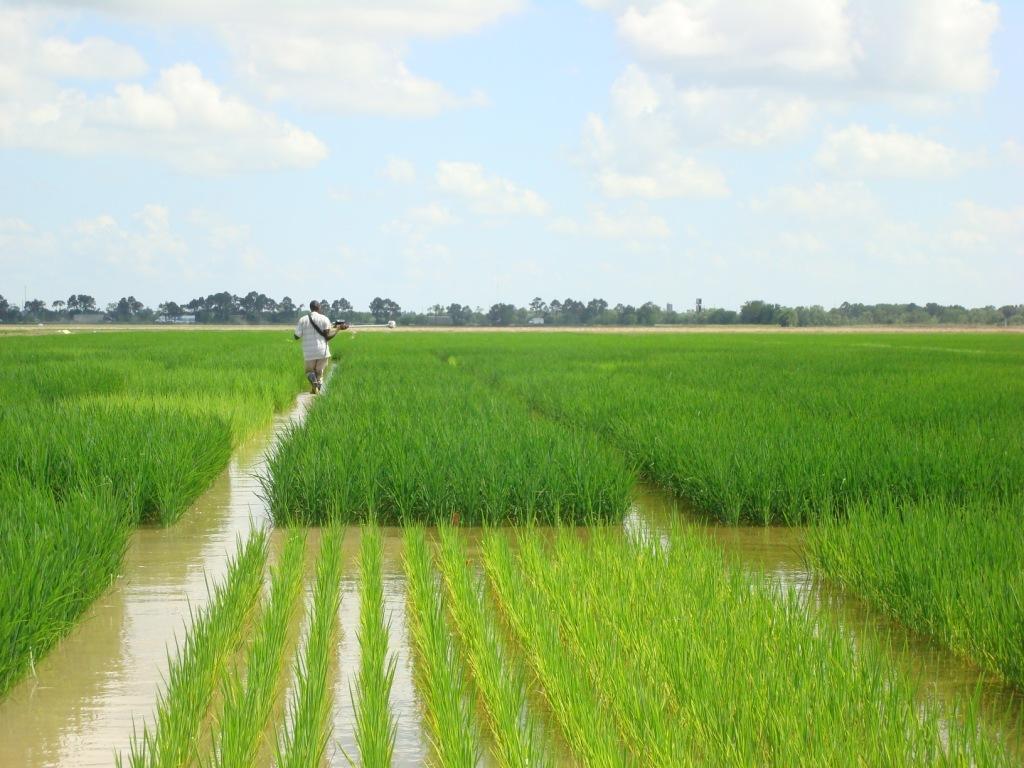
803, 151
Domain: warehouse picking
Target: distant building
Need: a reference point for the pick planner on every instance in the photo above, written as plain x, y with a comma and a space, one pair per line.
700, 306
536, 321
668, 307
177, 319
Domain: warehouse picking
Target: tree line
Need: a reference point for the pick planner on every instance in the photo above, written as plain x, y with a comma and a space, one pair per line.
258, 308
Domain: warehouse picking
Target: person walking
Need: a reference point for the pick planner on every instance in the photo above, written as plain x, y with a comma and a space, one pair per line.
315, 330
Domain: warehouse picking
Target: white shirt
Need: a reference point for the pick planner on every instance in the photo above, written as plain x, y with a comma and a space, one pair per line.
314, 346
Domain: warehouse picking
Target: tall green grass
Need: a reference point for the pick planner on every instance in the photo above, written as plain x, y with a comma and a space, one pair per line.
193, 677
376, 727
955, 571
402, 436
99, 433
586, 722
302, 742
56, 557
498, 674
699, 662
249, 701
447, 710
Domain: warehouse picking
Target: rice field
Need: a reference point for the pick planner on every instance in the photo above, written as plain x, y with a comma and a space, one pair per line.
486, 486
101, 433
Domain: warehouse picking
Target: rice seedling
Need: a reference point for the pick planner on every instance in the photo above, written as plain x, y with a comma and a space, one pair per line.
248, 703
99, 433
951, 570
585, 722
193, 676
375, 725
447, 710
743, 673
302, 742
428, 444
56, 557
498, 675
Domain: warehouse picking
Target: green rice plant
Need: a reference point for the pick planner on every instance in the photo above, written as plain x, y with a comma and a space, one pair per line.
248, 703
302, 742
498, 674
585, 722
213, 637
375, 725
594, 631
954, 571
102, 432
744, 673
447, 710
435, 445
56, 556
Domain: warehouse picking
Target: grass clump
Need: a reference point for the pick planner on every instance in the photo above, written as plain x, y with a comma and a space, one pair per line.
99, 433
429, 443
739, 671
303, 740
498, 675
248, 703
193, 677
439, 677
375, 725
955, 571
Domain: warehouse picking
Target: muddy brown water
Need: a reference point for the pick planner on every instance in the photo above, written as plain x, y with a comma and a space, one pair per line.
86, 696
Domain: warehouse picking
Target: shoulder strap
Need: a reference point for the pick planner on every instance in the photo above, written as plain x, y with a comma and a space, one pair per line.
319, 330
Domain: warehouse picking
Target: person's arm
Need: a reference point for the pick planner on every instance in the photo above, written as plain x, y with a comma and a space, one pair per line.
298, 329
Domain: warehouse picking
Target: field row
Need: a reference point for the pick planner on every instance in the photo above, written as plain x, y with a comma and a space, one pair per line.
101, 433
553, 646
906, 455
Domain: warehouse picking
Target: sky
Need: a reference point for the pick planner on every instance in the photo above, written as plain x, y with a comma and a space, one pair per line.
477, 151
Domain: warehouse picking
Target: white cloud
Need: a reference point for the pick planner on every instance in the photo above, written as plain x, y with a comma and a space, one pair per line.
785, 35
1013, 151
859, 47
434, 214
674, 177
856, 150
488, 194
400, 170
147, 246
630, 226
843, 200
339, 55
183, 119
978, 225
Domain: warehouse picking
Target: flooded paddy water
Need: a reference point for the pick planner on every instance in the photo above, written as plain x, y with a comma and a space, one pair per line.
80, 707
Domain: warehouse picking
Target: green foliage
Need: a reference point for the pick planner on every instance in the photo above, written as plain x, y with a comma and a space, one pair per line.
498, 675
99, 432
375, 725
690, 660
214, 635
248, 703
303, 740
403, 435
953, 571
447, 709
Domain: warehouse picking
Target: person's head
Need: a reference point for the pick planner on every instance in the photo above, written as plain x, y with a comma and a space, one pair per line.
314, 306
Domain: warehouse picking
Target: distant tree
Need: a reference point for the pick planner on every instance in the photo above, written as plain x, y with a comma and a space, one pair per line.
625, 314
35, 307
341, 306
537, 306
461, 314
4, 305
58, 305
171, 309
501, 314
594, 310
649, 313
759, 313
384, 309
